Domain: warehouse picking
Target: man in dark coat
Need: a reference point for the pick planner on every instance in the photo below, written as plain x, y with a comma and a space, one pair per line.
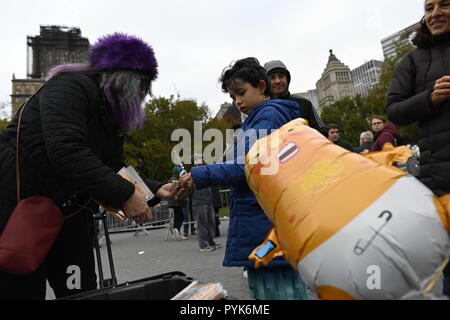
70, 148
280, 78
365, 142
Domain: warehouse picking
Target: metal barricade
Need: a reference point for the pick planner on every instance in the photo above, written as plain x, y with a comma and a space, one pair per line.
161, 217
225, 198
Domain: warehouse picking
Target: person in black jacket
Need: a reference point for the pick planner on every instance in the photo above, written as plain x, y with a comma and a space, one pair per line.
177, 206
365, 142
420, 92
70, 148
280, 78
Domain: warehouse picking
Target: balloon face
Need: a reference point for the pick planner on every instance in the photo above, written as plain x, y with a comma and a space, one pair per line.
354, 228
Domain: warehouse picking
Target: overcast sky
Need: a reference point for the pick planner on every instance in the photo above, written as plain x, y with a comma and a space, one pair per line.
195, 39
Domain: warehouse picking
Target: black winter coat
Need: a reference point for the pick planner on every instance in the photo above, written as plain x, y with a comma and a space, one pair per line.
307, 110
345, 144
69, 144
408, 102
363, 147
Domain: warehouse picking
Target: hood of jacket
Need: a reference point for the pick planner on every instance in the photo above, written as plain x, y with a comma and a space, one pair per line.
290, 110
390, 128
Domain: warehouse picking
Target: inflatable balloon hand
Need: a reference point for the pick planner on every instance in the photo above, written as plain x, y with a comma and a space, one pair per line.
355, 227
269, 250
443, 207
390, 155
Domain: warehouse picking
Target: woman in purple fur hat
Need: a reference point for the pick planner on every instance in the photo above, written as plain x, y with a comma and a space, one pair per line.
71, 146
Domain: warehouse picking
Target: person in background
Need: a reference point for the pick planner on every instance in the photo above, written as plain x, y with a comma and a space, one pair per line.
177, 206
202, 204
217, 204
280, 79
365, 142
189, 219
385, 132
420, 93
334, 136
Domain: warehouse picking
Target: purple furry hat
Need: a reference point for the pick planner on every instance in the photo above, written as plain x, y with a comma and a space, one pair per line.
123, 52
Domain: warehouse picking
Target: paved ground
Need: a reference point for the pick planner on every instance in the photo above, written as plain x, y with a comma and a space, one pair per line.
141, 256
146, 255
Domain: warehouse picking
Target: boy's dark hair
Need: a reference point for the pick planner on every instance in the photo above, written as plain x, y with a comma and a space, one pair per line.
248, 70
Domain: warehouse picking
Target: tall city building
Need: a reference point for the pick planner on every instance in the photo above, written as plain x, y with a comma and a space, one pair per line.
398, 39
336, 82
301, 94
230, 113
22, 89
314, 98
53, 46
367, 76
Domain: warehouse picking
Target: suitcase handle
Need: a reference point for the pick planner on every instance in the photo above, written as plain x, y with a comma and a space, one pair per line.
101, 216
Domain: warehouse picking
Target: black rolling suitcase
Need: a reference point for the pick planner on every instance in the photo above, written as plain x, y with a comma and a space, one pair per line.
160, 287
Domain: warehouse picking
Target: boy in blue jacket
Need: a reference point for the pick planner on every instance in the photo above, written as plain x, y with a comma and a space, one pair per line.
249, 87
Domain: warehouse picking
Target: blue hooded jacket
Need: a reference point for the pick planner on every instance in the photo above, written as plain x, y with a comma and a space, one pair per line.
248, 225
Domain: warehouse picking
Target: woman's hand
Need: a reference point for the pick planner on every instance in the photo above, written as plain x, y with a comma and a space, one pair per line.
441, 91
136, 208
168, 192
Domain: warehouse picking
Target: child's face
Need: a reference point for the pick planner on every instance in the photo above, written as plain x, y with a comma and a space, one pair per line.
245, 96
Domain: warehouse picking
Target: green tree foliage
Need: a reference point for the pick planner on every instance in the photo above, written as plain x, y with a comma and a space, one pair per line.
3, 124
378, 96
222, 126
3, 115
149, 149
352, 114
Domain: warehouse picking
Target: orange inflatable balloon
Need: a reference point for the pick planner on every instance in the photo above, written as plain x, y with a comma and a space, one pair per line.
355, 227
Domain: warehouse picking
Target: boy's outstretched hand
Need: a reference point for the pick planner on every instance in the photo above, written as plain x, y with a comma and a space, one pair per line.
167, 192
186, 182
